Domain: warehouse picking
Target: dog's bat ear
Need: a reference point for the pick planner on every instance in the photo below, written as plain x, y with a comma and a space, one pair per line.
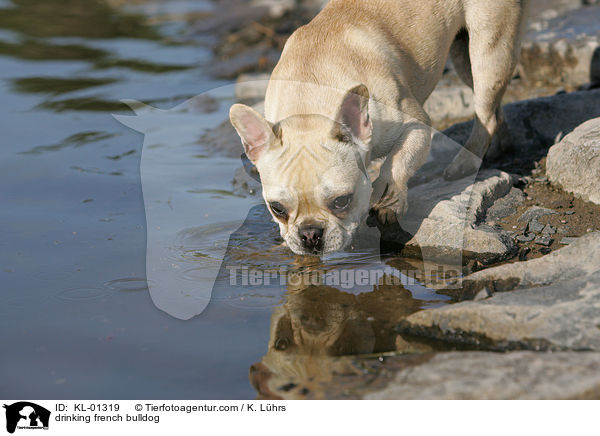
256, 132
354, 113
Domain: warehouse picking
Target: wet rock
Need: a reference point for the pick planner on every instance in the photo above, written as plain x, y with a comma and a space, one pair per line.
244, 183
574, 261
574, 163
561, 48
445, 219
223, 140
534, 213
561, 316
481, 375
259, 57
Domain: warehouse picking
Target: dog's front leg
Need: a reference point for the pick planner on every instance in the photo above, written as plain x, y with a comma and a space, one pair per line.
389, 195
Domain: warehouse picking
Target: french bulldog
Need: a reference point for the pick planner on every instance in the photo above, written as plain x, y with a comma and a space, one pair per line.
349, 88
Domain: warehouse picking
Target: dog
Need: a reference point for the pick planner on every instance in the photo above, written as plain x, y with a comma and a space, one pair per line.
349, 88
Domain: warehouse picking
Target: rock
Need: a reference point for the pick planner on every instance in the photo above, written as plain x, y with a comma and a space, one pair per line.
446, 219
481, 375
535, 226
568, 240
561, 49
574, 261
533, 126
534, 213
574, 163
523, 252
548, 230
244, 183
223, 140
258, 57
275, 8
450, 103
505, 206
526, 238
544, 240
561, 316
251, 88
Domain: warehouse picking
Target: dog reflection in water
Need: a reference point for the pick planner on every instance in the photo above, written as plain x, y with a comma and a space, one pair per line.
319, 324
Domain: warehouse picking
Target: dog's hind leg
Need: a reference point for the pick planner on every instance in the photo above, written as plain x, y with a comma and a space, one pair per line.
493, 46
459, 55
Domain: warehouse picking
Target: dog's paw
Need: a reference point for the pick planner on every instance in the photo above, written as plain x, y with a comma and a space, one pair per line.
463, 165
388, 201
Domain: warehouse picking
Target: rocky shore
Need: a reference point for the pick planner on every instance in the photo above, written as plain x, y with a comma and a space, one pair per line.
528, 228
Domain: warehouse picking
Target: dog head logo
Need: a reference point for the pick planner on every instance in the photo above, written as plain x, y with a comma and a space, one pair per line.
26, 415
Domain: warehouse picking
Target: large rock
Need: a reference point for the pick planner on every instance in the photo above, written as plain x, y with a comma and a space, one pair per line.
556, 305
465, 375
445, 219
480, 375
533, 126
576, 260
574, 163
563, 316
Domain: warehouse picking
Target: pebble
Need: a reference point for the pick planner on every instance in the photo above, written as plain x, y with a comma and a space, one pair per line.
569, 212
535, 226
563, 221
523, 252
534, 213
526, 237
544, 240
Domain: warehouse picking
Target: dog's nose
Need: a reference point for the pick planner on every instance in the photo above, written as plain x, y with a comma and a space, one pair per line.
312, 238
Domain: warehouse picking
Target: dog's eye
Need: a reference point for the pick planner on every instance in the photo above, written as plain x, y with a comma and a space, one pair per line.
342, 202
278, 209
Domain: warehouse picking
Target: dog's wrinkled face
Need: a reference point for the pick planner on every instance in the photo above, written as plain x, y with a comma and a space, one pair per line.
313, 174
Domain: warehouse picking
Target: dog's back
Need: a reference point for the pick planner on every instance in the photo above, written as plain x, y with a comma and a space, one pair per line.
388, 45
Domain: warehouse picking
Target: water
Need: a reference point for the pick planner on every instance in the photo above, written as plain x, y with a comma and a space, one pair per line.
77, 319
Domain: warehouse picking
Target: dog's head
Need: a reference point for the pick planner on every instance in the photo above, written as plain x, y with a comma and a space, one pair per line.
312, 171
